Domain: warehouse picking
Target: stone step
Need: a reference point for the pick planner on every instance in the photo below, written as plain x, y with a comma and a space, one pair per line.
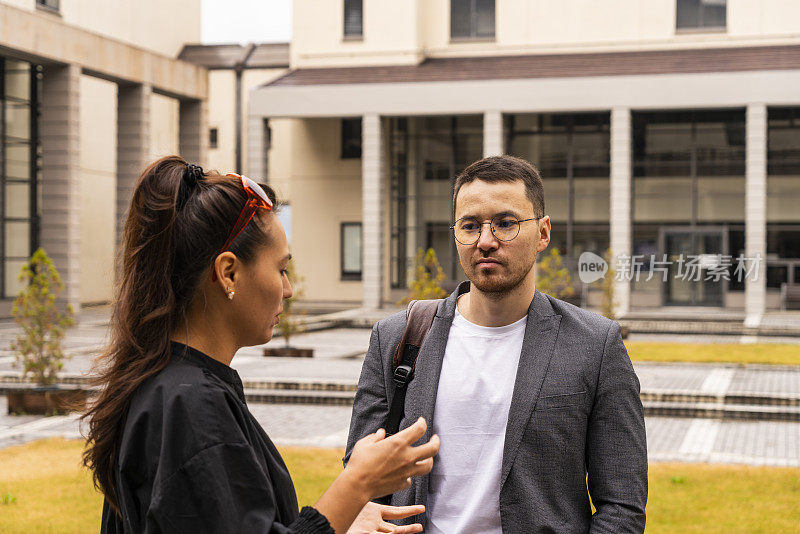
290, 396
733, 328
299, 385
733, 398
725, 412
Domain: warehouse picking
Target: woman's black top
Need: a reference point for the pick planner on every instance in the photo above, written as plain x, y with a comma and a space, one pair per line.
193, 459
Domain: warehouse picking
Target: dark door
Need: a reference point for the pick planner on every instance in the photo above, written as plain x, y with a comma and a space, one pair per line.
695, 258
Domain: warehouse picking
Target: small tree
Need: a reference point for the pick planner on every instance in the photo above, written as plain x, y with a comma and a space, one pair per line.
38, 348
607, 285
428, 278
290, 324
552, 276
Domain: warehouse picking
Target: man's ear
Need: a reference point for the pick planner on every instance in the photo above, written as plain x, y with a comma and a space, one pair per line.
226, 267
544, 233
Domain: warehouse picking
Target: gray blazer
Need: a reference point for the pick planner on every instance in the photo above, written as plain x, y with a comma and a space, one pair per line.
575, 411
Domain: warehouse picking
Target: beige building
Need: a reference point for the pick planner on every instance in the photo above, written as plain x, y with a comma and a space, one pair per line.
661, 127
91, 91
233, 71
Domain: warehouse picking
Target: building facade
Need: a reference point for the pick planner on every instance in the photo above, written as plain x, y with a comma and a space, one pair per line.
90, 92
661, 127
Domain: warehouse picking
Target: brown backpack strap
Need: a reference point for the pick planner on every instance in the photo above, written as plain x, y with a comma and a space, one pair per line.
419, 319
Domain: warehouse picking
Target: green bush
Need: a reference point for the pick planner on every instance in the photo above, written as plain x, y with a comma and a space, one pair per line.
552, 276
38, 348
428, 278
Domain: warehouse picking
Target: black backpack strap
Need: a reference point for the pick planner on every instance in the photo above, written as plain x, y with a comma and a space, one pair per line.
419, 318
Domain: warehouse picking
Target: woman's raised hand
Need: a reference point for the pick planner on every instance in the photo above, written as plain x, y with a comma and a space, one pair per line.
381, 465
373, 516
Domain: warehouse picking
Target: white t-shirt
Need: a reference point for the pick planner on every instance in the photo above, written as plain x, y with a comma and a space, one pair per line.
471, 413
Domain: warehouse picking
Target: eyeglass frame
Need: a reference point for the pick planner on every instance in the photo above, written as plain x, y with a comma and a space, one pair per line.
491, 227
257, 199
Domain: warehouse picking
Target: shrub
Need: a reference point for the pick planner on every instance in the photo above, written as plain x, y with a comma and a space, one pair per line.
38, 348
428, 278
552, 276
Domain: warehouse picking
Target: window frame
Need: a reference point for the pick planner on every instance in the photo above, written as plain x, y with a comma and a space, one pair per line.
34, 148
473, 26
346, 150
53, 6
700, 28
345, 274
213, 138
351, 4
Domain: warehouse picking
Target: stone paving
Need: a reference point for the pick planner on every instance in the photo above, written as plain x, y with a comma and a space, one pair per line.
338, 358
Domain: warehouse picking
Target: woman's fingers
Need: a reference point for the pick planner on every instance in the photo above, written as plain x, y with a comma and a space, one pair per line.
422, 467
398, 529
400, 512
409, 435
427, 450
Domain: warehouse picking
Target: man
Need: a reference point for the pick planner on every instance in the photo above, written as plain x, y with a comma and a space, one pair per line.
529, 394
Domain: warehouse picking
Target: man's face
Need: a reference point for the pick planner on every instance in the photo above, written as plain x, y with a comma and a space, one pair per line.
495, 266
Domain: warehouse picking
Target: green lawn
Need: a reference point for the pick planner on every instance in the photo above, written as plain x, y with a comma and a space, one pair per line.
764, 353
52, 493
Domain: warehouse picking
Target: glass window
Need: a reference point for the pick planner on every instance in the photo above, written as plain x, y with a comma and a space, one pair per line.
49, 4
17, 159
472, 19
213, 134
18, 171
558, 143
701, 14
426, 154
353, 19
783, 141
351, 251
689, 166
18, 200
351, 138
665, 143
17, 239
18, 80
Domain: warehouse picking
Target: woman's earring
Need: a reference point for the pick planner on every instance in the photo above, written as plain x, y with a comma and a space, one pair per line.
231, 293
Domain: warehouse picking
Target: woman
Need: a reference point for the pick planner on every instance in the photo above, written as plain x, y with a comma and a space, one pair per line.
171, 442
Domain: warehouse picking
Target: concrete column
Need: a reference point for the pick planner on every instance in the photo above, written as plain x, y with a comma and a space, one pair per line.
755, 240
60, 138
256, 165
621, 208
133, 144
492, 134
193, 131
372, 211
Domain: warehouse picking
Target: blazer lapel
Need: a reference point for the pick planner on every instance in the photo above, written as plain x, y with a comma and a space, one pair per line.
537, 350
421, 394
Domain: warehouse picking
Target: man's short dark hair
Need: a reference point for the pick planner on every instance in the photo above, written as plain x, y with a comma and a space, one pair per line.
496, 169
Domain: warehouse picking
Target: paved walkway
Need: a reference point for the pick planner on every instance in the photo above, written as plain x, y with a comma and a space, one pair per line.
338, 358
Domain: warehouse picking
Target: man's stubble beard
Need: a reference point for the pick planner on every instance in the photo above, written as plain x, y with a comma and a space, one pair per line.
497, 288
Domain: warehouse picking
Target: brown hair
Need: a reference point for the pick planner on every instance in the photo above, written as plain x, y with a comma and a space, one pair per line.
177, 223
496, 169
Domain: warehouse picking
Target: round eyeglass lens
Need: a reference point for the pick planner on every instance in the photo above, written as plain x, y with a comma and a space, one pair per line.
467, 231
505, 227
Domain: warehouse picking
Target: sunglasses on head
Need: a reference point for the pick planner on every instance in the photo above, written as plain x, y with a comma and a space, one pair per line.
256, 199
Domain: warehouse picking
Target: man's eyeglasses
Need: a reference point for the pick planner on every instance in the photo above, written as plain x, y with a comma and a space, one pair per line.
467, 230
256, 199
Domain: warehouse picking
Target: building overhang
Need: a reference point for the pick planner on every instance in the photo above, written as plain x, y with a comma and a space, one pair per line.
640, 80
49, 41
